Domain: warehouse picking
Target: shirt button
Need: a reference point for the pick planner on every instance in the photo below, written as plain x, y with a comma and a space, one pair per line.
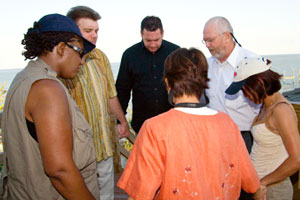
154, 65
156, 101
154, 77
155, 89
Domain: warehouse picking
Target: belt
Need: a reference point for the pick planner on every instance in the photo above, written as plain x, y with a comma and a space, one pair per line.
245, 132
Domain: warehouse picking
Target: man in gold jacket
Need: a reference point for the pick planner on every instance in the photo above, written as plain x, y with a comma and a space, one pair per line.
94, 91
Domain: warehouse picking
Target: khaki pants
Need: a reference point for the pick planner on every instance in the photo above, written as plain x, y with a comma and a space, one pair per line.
105, 169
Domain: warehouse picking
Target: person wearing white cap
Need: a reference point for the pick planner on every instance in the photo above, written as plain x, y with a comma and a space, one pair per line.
276, 149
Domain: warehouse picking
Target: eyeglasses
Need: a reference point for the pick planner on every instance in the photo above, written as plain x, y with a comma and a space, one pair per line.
211, 40
77, 49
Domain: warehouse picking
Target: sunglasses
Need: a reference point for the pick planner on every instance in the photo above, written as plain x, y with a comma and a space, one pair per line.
77, 49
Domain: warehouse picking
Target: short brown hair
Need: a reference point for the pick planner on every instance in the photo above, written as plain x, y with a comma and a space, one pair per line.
79, 12
262, 84
186, 72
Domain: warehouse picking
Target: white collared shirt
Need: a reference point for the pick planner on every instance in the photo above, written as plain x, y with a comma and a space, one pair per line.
241, 110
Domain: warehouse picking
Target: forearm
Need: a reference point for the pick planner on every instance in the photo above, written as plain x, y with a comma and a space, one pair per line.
116, 109
70, 184
123, 128
286, 169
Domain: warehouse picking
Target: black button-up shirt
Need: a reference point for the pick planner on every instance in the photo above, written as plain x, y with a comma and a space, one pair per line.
142, 71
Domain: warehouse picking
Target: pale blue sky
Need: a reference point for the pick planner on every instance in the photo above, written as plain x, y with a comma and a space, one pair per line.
262, 26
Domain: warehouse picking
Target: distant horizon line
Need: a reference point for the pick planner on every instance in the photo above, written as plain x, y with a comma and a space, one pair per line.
119, 62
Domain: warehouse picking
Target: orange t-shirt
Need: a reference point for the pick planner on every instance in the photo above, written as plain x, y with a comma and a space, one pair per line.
185, 156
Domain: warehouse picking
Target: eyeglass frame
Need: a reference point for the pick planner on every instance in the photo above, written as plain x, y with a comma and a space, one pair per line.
80, 51
211, 40
204, 42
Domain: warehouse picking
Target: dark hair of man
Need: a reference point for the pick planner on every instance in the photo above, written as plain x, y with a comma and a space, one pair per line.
262, 84
151, 23
79, 12
186, 72
37, 43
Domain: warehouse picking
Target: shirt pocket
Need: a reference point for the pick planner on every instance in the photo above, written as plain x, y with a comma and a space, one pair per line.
80, 125
83, 145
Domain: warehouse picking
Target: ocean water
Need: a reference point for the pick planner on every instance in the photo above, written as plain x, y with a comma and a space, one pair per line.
289, 66
7, 75
286, 64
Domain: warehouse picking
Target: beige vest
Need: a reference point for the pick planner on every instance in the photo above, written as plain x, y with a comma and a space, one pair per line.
23, 166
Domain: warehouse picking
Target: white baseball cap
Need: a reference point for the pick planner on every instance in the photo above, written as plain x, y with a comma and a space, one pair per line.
246, 68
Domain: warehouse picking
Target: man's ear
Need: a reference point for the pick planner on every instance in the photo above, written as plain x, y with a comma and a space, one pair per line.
60, 49
162, 33
227, 35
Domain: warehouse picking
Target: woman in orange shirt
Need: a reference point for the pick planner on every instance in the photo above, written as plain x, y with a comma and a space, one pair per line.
190, 151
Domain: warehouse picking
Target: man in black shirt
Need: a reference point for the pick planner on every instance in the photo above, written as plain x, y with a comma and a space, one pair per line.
141, 71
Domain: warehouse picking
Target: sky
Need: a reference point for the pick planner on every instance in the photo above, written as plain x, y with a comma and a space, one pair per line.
265, 27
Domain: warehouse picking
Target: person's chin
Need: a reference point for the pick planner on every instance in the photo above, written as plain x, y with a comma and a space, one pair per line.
152, 50
72, 75
213, 53
76, 72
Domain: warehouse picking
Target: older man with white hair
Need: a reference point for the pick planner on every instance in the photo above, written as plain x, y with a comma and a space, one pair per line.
226, 54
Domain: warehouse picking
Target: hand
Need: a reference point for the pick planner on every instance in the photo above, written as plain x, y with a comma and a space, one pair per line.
123, 130
261, 193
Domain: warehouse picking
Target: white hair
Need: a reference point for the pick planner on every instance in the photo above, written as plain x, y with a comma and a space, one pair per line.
222, 24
